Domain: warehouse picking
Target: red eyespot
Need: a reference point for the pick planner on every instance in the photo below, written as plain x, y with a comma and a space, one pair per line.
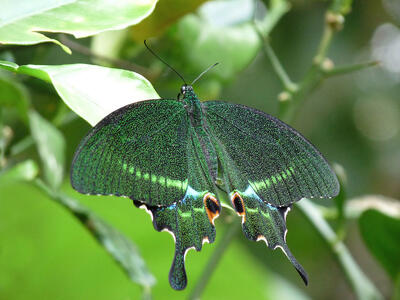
238, 205
212, 207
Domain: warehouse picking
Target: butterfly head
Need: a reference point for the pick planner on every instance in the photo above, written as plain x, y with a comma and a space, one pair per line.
187, 94
186, 89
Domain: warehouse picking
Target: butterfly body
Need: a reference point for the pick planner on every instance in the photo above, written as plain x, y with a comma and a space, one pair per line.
166, 156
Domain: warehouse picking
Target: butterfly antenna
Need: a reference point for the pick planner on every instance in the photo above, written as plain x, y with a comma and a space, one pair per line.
205, 71
152, 52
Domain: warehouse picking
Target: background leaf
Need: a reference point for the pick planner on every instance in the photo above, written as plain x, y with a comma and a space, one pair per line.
23, 171
116, 244
22, 25
14, 95
51, 146
91, 91
381, 234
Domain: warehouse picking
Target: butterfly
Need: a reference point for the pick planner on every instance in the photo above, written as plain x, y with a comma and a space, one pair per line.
172, 156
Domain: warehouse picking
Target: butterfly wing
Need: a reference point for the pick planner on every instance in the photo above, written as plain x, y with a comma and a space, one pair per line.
149, 152
138, 151
275, 160
191, 220
267, 166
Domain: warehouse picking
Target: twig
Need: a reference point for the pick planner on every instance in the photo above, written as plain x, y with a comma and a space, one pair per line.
349, 69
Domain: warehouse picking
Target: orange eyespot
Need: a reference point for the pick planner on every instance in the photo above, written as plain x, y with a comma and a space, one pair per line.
238, 205
212, 207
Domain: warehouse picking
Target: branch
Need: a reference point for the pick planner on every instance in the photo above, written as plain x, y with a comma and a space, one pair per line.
349, 68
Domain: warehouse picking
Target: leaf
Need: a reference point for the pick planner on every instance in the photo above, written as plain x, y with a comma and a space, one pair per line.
381, 234
91, 91
116, 244
220, 31
51, 146
165, 14
26, 171
13, 94
22, 24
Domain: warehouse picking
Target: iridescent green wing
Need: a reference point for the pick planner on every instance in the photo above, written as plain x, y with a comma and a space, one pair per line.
275, 160
267, 166
138, 151
191, 220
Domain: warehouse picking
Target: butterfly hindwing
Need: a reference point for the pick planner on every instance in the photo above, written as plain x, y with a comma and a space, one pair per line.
138, 151
262, 221
190, 220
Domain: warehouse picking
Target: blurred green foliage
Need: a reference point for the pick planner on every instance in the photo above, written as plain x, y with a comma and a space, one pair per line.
353, 119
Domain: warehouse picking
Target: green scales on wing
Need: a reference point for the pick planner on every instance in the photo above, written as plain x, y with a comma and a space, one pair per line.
165, 154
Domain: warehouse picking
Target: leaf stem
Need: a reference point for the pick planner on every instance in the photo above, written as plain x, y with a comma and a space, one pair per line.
212, 263
287, 83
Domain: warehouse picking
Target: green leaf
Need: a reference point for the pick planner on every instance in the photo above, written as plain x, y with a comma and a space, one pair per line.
91, 91
116, 244
381, 234
166, 13
23, 171
23, 24
13, 94
220, 31
51, 146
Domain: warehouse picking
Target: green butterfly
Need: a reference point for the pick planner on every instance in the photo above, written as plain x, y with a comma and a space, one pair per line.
168, 155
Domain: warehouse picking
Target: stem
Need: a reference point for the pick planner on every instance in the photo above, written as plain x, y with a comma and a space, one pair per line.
213, 260
362, 286
350, 68
278, 68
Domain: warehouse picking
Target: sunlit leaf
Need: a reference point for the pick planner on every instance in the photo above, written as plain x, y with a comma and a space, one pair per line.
23, 24
116, 244
23, 171
51, 147
91, 91
381, 234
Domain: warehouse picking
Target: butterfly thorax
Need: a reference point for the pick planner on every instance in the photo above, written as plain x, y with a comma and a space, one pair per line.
192, 105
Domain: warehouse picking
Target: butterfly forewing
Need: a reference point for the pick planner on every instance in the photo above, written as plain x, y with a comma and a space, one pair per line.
259, 151
138, 151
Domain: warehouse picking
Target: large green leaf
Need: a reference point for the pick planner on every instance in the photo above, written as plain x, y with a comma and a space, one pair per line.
22, 24
381, 234
51, 146
91, 91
